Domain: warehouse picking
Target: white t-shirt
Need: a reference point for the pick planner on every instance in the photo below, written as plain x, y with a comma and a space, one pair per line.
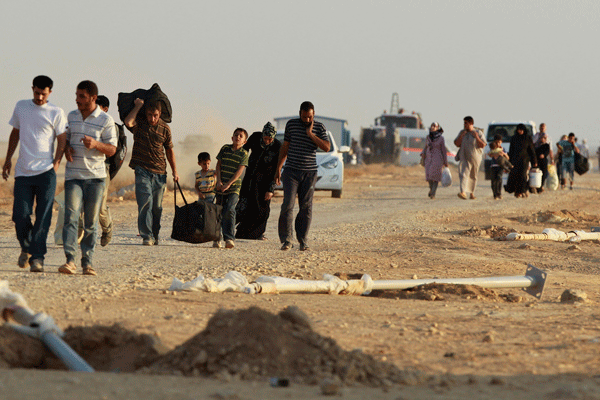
38, 127
89, 163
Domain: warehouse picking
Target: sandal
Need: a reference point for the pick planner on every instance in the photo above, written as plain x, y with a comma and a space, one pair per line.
69, 268
88, 270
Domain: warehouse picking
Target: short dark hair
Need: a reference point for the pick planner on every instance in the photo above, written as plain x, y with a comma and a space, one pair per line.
204, 156
497, 136
307, 106
154, 105
103, 101
89, 87
241, 130
42, 82
571, 134
522, 127
469, 119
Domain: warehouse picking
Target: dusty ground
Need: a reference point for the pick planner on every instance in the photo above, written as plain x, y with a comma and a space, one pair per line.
455, 342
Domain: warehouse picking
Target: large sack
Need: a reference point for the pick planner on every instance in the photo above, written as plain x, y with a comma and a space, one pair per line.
582, 164
196, 222
552, 178
125, 102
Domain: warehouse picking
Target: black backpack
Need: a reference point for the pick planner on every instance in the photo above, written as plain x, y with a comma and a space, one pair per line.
116, 160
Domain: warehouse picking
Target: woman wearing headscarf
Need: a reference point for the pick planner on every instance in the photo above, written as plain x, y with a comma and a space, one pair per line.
258, 186
434, 155
520, 153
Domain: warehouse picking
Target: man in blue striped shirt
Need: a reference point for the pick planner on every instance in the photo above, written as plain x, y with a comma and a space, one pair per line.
302, 138
91, 136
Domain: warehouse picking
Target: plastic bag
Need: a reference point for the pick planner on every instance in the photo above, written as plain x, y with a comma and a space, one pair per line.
552, 178
446, 177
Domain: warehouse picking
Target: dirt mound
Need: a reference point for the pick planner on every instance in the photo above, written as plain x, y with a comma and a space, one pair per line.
105, 348
560, 217
255, 344
443, 292
491, 231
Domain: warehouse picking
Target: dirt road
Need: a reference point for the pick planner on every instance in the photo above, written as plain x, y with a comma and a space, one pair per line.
482, 344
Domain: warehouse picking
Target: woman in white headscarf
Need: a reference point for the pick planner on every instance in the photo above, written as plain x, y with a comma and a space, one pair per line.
435, 157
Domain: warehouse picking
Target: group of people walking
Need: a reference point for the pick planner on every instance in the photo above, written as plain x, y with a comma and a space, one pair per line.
525, 152
88, 135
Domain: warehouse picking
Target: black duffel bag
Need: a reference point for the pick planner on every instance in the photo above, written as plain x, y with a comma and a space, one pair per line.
125, 102
196, 222
582, 165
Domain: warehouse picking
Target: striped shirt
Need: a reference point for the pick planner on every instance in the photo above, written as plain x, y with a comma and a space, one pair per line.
148, 144
206, 183
302, 150
89, 163
230, 162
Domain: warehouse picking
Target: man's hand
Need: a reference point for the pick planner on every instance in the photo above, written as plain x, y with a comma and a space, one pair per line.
6, 169
69, 153
175, 177
309, 128
268, 196
89, 142
138, 102
278, 177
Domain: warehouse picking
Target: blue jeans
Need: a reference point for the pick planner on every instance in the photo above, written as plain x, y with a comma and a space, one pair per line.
29, 189
301, 183
149, 191
228, 201
568, 167
82, 195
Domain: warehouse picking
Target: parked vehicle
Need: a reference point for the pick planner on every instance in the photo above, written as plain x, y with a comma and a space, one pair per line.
506, 130
330, 172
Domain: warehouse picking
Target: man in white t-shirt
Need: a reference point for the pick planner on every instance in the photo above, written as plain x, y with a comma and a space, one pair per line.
36, 124
91, 137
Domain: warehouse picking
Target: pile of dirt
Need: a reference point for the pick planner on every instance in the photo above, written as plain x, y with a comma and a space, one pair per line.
491, 231
444, 292
255, 344
581, 218
104, 348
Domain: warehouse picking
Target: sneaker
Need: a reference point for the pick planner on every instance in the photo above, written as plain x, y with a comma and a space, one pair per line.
36, 266
229, 244
217, 244
304, 247
69, 268
148, 242
23, 258
287, 246
88, 270
105, 238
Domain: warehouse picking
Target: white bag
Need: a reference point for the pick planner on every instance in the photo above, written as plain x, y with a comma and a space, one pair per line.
552, 179
446, 177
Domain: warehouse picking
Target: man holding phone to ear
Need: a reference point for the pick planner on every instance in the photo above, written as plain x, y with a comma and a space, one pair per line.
302, 138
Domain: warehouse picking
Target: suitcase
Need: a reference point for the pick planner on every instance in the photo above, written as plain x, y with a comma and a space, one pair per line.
196, 222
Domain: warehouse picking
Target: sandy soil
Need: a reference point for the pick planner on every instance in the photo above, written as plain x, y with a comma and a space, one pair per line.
486, 344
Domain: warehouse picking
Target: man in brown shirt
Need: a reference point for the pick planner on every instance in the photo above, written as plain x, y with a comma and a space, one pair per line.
150, 136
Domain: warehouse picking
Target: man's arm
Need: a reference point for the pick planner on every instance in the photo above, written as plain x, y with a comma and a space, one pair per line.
459, 138
130, 118
13, 142
170, 153
322, 144
283, 152
61, 142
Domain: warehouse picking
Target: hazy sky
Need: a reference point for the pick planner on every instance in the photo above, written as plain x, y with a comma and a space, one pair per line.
232, 63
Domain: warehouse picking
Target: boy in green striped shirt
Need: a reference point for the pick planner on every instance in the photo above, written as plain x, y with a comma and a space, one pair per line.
232, 161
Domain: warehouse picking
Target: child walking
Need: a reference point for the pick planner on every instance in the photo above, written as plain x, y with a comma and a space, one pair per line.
206, 179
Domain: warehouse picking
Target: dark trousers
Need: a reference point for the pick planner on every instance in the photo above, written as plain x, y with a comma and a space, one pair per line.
301, 184
29, 189
497, 181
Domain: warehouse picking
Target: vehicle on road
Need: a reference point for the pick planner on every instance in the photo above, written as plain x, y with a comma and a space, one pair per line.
506, 130
330, 167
